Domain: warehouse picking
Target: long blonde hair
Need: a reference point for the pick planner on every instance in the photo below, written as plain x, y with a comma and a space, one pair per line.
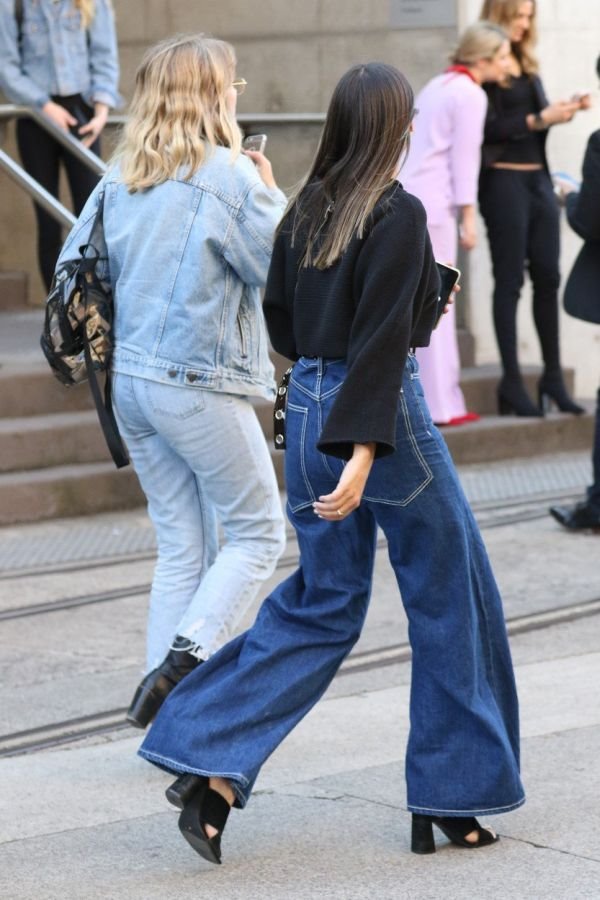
179, 107
366, 134
480, 41
502, 12
87, 8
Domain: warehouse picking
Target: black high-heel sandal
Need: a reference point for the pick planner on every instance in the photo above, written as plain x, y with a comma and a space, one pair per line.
183, 789
551, 389
207, 807
455, 829
152, 692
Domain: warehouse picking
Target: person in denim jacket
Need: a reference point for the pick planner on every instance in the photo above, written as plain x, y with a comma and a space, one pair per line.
60, 57
189, 227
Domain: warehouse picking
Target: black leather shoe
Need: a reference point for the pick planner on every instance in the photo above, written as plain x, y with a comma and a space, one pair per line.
158, 684
577, 518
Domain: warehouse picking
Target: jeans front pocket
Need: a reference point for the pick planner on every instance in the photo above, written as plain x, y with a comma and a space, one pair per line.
400, 477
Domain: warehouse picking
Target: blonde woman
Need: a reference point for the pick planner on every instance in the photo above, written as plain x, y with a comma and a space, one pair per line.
61, 58
189, 223
520, 210
442, 169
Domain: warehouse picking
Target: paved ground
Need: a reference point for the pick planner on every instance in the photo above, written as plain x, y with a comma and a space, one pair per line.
88, 819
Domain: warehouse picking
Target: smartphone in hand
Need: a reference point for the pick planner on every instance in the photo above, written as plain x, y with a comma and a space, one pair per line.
256, 142
449, 277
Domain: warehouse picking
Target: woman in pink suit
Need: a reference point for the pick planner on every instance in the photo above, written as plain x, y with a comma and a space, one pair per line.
442, 170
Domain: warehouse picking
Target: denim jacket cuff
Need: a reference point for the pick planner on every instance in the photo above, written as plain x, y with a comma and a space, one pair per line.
97, 95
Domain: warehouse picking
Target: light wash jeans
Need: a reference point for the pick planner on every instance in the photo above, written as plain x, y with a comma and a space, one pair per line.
202, 460
228, 715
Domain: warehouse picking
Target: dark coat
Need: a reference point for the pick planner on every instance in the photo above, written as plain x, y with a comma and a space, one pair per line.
582, 291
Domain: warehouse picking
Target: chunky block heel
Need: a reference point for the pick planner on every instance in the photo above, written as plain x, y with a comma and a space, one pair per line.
422, 834
144, 706
183, 789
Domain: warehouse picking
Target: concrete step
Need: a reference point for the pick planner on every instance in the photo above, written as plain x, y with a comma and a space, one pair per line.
479, 385
67, 491
14, 288
38, 442
30, 390
504, 437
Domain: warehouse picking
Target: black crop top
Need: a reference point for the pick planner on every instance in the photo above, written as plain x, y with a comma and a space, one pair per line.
507, 137
378, 300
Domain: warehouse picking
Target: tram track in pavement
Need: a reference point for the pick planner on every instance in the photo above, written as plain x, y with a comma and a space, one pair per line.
107, 722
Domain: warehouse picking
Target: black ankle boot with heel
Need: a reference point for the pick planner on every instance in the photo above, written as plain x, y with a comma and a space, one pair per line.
513, 399
455, 829
552, 391
158, 684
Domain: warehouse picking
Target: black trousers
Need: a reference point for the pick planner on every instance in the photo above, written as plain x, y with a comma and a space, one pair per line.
522, 218
42, 156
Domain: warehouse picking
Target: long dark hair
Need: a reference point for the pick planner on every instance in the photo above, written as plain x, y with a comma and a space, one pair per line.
366, 134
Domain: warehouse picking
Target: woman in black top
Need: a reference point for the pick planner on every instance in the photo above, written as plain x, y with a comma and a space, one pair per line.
351, 288
520, 211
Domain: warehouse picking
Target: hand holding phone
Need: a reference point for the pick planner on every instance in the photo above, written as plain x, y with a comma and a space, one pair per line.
449, 277
255, 142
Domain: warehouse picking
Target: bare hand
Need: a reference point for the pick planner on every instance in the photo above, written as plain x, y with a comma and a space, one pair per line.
584, 100
559, 112
59, 115
95, 126
265, 170
348, 493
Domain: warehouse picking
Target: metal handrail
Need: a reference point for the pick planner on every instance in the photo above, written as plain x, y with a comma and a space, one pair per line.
53, 206
18, 174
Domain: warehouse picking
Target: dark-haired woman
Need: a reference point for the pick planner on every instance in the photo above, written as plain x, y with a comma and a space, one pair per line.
520, 210
352, 287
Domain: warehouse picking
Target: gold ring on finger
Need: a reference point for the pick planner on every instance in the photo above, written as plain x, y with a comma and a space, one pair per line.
340, 513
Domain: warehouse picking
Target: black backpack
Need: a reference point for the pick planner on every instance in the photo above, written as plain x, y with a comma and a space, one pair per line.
77, 337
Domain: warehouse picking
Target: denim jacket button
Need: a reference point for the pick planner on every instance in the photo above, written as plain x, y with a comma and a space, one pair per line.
191, 376
172, 373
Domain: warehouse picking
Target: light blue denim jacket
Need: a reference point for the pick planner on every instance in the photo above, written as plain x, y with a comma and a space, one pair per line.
186, 260
55, 55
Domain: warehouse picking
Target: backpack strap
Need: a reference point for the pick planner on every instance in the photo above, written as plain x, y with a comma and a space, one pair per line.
19, 14
106, 415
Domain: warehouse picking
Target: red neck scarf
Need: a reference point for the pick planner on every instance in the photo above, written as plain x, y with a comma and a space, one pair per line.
462, 70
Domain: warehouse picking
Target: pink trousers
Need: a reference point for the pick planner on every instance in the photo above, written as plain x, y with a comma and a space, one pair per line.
440, 363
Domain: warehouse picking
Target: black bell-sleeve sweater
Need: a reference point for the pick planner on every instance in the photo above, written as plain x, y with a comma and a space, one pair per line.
375, 303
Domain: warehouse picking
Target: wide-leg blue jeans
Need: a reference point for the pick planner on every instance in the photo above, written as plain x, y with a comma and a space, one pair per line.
228, 716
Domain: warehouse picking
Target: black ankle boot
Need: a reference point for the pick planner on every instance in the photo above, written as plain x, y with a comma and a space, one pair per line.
159, 683
551, 389
513, 398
